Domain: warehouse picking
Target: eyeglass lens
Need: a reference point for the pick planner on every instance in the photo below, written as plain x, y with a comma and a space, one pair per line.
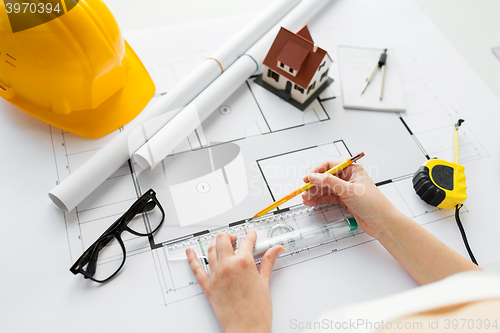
147, 222
110, 258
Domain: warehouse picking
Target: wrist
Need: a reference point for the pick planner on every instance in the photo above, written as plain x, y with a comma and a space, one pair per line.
387, 225
248, 328
261, 322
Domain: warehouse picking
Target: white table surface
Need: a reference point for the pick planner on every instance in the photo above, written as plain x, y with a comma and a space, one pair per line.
473, 27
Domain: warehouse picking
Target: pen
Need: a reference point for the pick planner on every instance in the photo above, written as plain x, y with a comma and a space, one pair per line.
307, 186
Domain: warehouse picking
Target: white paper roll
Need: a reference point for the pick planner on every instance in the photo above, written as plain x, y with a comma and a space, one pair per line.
162, 143
76, 187
186, 120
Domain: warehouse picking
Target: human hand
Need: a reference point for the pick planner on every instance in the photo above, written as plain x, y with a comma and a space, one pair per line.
236, 290
354, 190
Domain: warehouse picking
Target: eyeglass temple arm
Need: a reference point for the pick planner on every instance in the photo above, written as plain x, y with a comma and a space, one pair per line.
90, 257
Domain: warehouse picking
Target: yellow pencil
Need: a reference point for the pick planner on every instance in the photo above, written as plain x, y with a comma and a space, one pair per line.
307, 186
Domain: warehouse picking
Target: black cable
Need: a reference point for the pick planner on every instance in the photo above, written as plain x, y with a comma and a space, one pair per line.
462, 231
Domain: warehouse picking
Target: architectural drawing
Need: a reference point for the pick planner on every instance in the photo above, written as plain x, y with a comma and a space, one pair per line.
213, 178
266, 145
254, 149
283, 173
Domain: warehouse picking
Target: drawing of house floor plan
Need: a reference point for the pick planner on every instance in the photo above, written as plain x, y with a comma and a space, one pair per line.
256, 148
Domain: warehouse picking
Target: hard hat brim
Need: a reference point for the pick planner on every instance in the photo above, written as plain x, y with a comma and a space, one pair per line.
115, 112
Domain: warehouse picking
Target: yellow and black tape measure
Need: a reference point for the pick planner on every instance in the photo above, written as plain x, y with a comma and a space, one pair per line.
441, 183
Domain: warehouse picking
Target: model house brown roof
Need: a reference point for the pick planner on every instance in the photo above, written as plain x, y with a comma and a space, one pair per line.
304, 32
293, 55
296, 50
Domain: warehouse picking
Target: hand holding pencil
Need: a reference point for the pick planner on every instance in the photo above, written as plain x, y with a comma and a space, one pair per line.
307, 186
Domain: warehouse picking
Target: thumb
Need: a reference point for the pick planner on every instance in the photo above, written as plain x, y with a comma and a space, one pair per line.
334, 183
268, 260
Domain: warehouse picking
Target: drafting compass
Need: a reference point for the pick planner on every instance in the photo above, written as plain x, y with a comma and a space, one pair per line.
379, 64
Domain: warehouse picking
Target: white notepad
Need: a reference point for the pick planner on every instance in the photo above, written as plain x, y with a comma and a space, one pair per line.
356, 65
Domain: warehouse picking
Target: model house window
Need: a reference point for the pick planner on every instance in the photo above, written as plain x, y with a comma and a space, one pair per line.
291, 70
275, 76
282, 65
311, 87
299, 89
322, 65
325, 74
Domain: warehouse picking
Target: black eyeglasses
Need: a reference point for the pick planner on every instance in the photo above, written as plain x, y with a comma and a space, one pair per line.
104, 259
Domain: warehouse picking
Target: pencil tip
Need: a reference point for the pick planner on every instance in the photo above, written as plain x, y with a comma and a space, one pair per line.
254, 217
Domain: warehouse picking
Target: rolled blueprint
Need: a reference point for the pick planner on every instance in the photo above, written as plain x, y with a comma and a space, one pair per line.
186, 121
82, 182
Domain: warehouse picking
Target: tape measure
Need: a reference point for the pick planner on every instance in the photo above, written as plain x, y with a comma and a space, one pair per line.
441, 183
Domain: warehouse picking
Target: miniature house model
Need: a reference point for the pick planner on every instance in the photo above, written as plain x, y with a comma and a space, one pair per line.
296, 68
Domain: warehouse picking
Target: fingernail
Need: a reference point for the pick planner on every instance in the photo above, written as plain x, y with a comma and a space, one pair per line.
281, 251
188, 251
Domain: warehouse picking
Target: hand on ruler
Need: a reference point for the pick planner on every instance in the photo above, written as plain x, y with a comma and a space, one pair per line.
354, 190
237, 291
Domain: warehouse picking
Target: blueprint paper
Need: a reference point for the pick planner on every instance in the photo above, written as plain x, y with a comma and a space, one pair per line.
83, 181
276, 145
159, 146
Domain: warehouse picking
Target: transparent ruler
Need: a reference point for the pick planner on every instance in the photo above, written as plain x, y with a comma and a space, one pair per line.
325, 223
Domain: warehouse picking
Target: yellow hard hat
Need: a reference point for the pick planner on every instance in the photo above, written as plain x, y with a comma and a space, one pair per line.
72, 68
